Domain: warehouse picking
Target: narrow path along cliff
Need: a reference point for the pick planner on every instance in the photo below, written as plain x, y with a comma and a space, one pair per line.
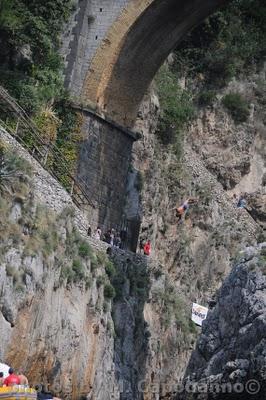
130, 127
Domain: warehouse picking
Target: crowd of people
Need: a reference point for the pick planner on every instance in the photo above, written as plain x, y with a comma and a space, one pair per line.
19, 381
118, 239
111, 236
13, 380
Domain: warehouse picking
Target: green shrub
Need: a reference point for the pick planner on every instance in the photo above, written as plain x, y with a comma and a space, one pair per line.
67, 274
226, 44
78, 269
206, 97
105, 307
38, 25
176, 109
237, 106
15, 172
101, 258
110, 269
88, 282
84, 250
94, 263
100, 280
109, 291
37, 82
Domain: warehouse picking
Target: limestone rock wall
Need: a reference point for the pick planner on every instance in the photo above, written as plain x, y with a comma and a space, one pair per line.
57, 324
52, 320
197, 254
234, 153
230, 352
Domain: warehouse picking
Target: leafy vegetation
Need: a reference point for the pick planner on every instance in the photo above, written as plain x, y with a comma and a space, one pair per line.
30, 63
39, 232
206, 97
226, 44
110, 269
109, 291
175, 311
237, 106
85, 250
15, 172
31, 70
176, 109
100, 280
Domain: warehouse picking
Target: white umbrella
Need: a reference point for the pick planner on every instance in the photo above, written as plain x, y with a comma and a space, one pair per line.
4, 368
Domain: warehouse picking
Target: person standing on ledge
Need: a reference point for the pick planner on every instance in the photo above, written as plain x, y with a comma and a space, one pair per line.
98, 233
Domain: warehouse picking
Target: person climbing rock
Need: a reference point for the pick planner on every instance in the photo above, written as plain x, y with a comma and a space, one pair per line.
182, 210
107, 237
1, 379
12, 378
89, 231
242, 203
147, 248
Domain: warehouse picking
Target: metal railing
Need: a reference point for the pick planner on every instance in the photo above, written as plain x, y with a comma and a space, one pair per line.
48, 155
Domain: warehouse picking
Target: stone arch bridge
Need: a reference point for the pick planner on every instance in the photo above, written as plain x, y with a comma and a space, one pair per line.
112, 50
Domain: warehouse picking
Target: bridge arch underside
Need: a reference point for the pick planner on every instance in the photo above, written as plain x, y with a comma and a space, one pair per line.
124, 66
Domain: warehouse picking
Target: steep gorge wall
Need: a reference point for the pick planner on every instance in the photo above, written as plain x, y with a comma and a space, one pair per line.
198, 254
230, 356
57, 322
53, 324
214, 228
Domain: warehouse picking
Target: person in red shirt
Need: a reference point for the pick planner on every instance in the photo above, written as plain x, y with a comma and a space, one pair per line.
12, 379
147, 248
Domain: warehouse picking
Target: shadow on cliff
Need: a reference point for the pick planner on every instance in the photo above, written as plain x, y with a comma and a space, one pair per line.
132, 287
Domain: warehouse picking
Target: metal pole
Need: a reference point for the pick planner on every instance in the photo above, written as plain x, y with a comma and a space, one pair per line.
72, 188
46, 155
16, 131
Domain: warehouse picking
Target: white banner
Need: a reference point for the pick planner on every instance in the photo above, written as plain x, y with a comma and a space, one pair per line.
199, 314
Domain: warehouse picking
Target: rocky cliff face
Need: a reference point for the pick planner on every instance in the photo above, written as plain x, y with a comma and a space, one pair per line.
58, 322
220, 158
57, 317
230, 359
55, 320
